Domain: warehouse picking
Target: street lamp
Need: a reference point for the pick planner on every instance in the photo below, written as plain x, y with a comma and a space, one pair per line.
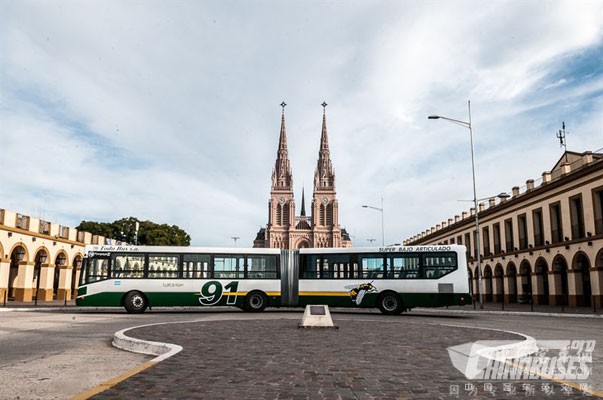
382, 230
235, 238
477, 246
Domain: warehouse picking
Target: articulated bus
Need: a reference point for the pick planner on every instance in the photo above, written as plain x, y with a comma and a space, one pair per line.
393, 279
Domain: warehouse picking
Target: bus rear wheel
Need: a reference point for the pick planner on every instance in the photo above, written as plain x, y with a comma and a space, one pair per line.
255, 302
135, 302
390, 303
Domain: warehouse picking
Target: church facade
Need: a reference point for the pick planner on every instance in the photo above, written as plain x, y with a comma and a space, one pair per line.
321, 228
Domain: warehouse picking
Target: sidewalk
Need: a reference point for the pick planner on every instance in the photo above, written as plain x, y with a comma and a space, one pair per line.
41, 304
520, 309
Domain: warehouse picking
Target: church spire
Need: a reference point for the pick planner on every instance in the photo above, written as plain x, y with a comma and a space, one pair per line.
282, 140
324, 139
324, 177
281, 174
303, 205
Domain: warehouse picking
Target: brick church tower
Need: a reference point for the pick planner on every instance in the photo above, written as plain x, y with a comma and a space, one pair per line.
285, 230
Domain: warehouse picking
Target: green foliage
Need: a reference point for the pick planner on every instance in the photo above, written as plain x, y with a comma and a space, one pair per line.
149, 233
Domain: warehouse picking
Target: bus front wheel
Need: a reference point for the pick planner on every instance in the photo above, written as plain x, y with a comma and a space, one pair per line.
255, 302
135, 302
390, 303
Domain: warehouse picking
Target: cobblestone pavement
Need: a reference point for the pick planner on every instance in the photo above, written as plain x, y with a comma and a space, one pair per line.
273, 359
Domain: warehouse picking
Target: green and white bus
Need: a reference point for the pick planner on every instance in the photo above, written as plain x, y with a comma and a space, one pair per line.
393, 279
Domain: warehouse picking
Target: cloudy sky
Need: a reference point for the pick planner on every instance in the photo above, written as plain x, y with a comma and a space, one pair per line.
169, 110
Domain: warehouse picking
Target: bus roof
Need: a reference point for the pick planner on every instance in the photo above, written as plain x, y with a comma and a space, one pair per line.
241, 250
386, 249
177, 249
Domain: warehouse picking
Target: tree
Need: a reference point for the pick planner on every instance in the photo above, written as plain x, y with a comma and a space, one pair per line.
149, 232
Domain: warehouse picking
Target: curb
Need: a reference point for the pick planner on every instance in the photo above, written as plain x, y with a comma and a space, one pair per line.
522, 313
161, 350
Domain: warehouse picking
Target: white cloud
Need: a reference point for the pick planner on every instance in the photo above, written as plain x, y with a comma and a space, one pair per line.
169, 111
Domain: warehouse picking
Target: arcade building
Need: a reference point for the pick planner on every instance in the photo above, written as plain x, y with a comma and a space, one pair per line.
544, 244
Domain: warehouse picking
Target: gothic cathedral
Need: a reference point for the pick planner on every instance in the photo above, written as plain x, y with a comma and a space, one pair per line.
285, 230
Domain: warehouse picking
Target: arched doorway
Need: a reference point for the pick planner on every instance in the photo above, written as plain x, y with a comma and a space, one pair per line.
581, 268
525, 277
487, 283
561, 284
512, 282
599, 279
302, 244
476, 287
542, 281
59, 262
16, 256
499, 284
75, 273
39, 259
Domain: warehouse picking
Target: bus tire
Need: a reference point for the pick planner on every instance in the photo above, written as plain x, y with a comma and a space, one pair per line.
255, 301
135, 302
390, 303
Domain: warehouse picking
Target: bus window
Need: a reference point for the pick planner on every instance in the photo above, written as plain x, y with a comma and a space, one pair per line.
261, 267
195, 266
325, 271
96, 269
163, 266
327, 266
436, 265
404, 266
310, 267
229, 267
127, 266
372, 266
340, 266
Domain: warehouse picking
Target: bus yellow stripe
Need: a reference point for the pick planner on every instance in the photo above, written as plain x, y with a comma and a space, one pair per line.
325, 294
271, 294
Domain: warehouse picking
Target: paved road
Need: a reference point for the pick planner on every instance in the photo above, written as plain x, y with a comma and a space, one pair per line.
48, 354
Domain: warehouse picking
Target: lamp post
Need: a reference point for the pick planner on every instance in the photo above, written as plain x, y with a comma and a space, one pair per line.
382, 229
235, 238
477, 239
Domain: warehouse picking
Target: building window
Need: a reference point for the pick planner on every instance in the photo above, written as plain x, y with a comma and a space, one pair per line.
509, 235
322, 214
486, 241
468, 245
556, 226
286, 215
279, 215
538, 227
522, 227
459, 240
577, 217
496, 235
598, 211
